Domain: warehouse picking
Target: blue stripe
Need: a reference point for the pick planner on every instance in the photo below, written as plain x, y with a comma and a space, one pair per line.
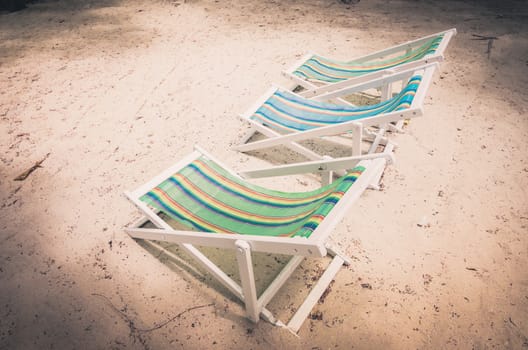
206, 205
301, 117
355, 70
243, 196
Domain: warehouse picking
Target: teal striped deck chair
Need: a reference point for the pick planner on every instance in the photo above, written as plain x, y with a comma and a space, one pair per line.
285, 118
318, 74
216, 207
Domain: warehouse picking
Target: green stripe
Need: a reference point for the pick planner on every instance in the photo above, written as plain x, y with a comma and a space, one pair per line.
321, 68
223, 211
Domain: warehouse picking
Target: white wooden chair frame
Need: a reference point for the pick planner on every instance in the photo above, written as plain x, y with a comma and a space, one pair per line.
358, 128
317, 87
298, 247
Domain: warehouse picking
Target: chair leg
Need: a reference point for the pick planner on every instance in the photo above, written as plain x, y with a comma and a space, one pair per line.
357, 135
327, 176
333, 251
386, 91
247, 277
397, 127
247, 136
315, 294
377, 140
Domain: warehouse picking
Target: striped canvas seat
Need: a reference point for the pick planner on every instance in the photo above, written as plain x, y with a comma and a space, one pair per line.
319, 68
286, 112
207, 198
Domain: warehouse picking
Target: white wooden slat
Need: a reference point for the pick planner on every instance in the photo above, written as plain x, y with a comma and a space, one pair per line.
156, 180
247, 277
279, 281
400, 47
259, 101
300, 316
294, 146
325, 228
289, 71
329, 164
297, 136
350, 87
280, 245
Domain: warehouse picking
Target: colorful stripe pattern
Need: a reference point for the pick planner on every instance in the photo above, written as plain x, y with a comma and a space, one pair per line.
319, 68
205, 197
287, 112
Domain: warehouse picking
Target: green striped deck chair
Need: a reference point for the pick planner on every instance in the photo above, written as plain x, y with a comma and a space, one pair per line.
319, 74
286, 118
219, 208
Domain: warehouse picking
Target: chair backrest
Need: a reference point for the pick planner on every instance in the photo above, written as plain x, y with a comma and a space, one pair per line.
288, 112
319, 68
205, 197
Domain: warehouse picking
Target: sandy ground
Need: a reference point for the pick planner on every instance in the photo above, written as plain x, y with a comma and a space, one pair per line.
115, 92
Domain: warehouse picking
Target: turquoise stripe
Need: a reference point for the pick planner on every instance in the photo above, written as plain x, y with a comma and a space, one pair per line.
288, 112
320, 68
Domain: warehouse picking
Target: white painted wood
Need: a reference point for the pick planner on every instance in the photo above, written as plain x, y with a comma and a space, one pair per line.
269, 317
215, 271
245, 244
402, 47
290, 140
349, 87
296, 136
376, 142
389, 149
324, 229
386, 92
316, 293
249, 134
329, 130
438, 56
357, 137
370, 136
327, 176
306, 84
294, 146
427, 78
289, 71
344, 102
259, 102
355, 81
397, 127
247, 277
280, 245
174, 257
135, 232
329, 164
217, 161
279, 281
449, 34
164, 175
333, 251
149, 213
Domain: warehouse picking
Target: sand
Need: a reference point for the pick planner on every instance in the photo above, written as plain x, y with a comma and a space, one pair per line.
117, 91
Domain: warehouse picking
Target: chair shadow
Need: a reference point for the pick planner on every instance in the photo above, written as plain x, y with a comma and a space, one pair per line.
266, 268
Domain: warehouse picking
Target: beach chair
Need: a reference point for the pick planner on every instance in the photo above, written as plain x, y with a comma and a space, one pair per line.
319, 75
285, 118
216, 207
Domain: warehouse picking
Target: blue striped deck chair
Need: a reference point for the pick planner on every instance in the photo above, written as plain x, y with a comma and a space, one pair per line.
215, 207
318, 74
285, 118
